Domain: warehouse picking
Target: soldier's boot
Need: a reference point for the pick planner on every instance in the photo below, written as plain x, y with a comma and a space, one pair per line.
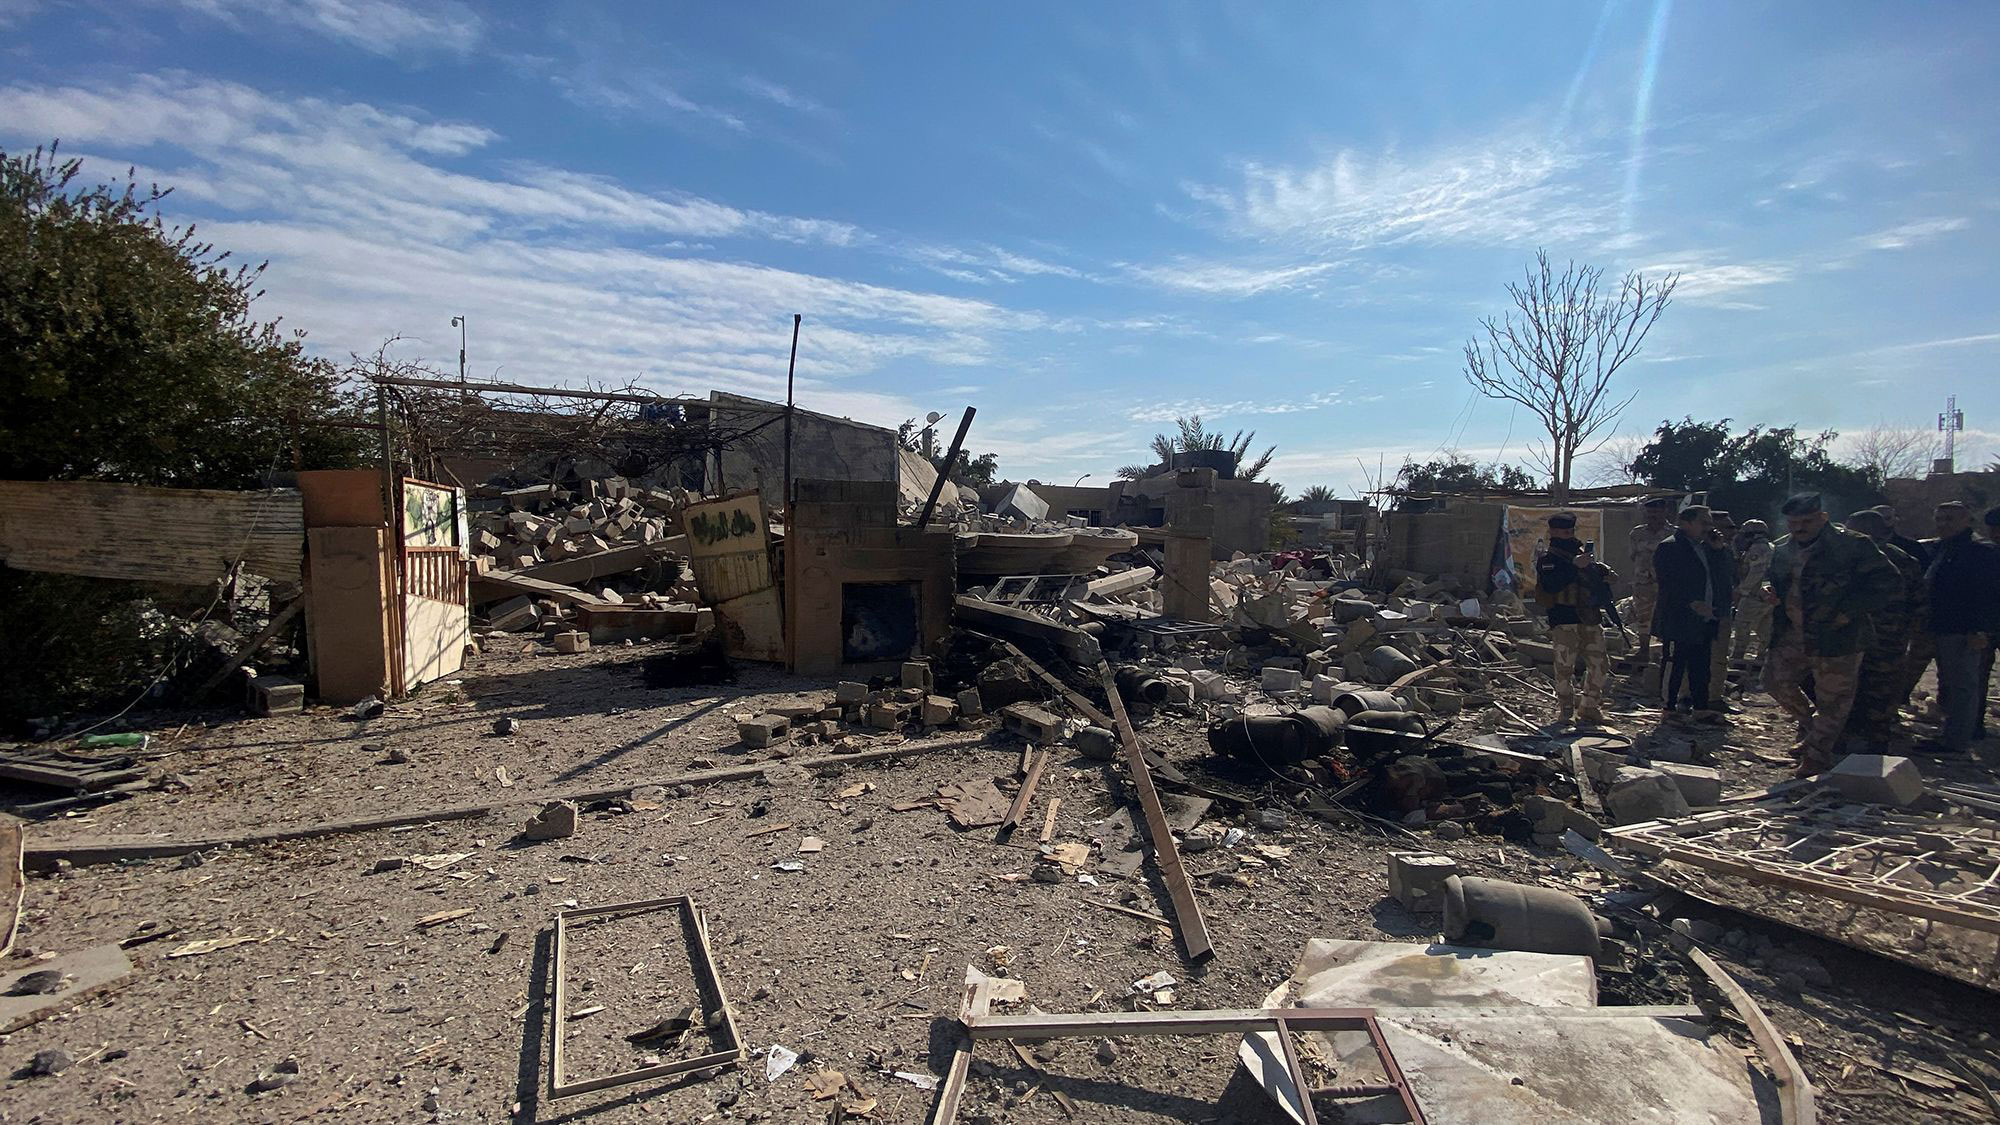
1590, 716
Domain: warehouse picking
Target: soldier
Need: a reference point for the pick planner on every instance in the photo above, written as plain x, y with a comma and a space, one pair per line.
1573, 586
1875, 703
1646, 538
1753, 613
1823, 583
1722, 557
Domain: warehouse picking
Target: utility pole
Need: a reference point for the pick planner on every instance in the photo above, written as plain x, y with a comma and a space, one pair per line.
1949, 423
458, 322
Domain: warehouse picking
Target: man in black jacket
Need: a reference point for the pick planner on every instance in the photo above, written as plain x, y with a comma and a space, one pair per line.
1691, 589
1964, 578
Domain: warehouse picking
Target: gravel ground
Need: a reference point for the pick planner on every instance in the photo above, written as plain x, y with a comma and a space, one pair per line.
854, 961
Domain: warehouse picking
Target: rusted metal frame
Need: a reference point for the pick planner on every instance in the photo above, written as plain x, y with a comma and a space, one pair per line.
1026, 793
1244, 1021
1187, 911
1681, 849
707, 981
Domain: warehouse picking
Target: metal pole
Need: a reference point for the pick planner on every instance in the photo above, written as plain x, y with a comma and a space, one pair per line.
461, 348
388, 457
944, 471
791, 369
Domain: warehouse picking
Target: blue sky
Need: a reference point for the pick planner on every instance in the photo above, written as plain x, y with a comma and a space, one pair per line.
1082, 219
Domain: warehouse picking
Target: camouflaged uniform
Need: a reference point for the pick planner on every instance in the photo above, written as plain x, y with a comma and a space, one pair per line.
1827, 592
1576, 630
1645, 584
1753, 613
1882, 666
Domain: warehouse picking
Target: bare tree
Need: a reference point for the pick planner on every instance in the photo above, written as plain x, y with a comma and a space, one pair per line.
1612, 462
1557, 350
1885, 452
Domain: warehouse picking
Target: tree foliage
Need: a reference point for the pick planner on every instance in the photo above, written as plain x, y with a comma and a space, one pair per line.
976, 471
1455, 474
1190, 434
1317, 493
129, 349
128, 353
1557, 350
1749, 474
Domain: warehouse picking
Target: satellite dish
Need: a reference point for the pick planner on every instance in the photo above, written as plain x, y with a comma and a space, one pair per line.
933, 418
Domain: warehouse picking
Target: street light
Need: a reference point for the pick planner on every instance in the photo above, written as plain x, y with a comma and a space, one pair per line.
1080, 480
458, 322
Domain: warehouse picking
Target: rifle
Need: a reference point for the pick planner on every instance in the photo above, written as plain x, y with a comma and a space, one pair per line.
1601, 598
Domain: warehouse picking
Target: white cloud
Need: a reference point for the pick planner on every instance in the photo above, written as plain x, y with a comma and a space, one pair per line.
1513, 187
1225, 279
1212, 409
780, 95
1713, 283
382, 27
374, 228
1909, 234
985, 264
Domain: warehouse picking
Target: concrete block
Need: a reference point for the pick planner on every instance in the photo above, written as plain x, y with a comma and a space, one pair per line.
937, 710
968, 702
764, 730
1281, 679
1639, 794
917, 674
1701, 786
1215, 686
556, 821
850, 692
513, 614
1877, 779
1032, 723
887, 714
571, 642
276, 695
1417, 880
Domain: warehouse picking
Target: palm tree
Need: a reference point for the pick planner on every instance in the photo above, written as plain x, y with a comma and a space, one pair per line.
1317, 492
1191, 435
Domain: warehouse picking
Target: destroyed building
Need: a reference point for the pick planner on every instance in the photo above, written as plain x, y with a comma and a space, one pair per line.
850, 794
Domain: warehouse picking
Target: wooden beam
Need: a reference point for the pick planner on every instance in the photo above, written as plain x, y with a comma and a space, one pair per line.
560, 392
1220, 1021
1075, 698
110, 850
1187, 911
1795, 1093
1026, 793
973, 1003
278, 621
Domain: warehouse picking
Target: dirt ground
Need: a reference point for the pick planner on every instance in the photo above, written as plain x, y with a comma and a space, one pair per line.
854, 961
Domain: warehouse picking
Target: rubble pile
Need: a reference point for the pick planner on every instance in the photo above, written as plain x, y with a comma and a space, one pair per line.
518, 528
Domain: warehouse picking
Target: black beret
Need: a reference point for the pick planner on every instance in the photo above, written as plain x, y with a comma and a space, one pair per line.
1803, 504
1562, 519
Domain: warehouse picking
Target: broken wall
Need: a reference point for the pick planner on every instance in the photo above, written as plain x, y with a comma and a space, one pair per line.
146, 534
862, 593
823, 448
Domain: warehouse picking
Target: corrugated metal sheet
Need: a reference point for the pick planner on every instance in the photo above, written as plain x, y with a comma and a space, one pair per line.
181, 535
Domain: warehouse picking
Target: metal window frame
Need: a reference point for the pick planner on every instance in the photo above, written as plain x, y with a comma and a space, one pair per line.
707, 982
1282, 1021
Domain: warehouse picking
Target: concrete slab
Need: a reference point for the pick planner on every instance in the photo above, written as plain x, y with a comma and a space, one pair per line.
90, 971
